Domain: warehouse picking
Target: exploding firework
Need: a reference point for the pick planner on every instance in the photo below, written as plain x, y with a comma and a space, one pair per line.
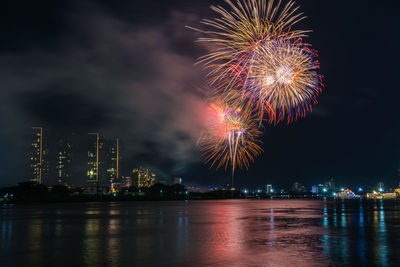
231, 137
255, 51
236, 35
283, 81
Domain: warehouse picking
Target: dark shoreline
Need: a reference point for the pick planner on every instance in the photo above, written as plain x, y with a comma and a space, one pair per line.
144, 199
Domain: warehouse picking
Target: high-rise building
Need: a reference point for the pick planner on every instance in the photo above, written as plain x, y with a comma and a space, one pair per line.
143, 177
135, 178
63, 163
111, 161
38, 156
95, 149
103, 160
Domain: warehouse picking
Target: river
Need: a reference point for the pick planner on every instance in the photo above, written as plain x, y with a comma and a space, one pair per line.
202, 233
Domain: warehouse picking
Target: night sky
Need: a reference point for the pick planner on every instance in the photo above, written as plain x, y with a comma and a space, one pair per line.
126, 69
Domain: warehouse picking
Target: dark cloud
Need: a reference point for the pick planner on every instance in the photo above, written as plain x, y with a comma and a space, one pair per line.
107, 75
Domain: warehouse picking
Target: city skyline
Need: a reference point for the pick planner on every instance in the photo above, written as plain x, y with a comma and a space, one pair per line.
55, 160
133, 77
105, 153
103, 168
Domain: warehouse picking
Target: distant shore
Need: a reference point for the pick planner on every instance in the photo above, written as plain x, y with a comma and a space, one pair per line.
29, 192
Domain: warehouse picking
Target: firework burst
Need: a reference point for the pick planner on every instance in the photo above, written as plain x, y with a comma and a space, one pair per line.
236, 35
231, 137
255, 51
283, 81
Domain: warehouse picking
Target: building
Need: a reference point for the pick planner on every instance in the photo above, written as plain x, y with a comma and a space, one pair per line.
38, 156
63, 163
330, 185
298, 187
178, 180
143, 177
126, 181
103, 160
380, 195
95, 149
318, 189
269, 189
375, 195
380, 187
111, 161
347, 194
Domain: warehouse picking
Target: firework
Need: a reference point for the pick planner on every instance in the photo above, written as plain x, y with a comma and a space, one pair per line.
231, 137
283, 81
236, 35
255, 51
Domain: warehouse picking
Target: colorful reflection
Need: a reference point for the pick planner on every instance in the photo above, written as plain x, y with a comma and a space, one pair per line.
203, 233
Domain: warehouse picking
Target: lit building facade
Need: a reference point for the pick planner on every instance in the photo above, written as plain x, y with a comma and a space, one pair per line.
347, 194
38, 156
63, 163
95, 149
112, 161
143, 177
103, 160
318, 189
178, 180
269, 189
126, 181
380, 187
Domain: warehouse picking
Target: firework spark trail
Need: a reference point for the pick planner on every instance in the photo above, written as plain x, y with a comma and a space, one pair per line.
231, 137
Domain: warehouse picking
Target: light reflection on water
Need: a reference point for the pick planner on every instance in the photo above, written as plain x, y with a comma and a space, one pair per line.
382, 236
202, 233
35, 239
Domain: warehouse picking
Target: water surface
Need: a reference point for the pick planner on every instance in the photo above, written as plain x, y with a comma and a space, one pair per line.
202, 233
